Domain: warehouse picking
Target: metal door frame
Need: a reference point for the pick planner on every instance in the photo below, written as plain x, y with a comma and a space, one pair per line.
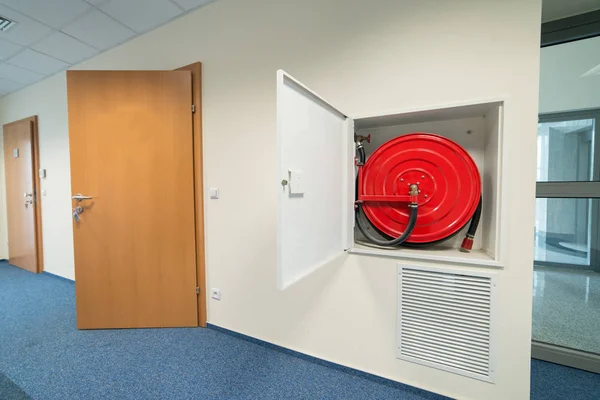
591, 189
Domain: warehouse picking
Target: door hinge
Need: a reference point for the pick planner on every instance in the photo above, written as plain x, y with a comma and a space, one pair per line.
193, 108
197, 290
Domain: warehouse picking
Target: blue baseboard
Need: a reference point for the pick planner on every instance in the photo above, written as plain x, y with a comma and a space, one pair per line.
329, 364
58, 277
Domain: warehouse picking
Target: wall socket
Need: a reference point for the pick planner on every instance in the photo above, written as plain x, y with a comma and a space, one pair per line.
215, 293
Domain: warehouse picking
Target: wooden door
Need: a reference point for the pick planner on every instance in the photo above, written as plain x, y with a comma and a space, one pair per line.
132, 152
20, 194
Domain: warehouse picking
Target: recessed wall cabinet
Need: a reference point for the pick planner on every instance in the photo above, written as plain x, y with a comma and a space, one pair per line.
317, 177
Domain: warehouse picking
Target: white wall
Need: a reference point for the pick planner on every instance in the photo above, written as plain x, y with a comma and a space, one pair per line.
365, 57
564, 84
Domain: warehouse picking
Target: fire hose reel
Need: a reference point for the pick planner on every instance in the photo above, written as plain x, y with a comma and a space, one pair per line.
417, 189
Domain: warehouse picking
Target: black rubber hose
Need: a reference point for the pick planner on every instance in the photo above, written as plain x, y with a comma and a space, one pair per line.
475, 220
361, 155
412, 221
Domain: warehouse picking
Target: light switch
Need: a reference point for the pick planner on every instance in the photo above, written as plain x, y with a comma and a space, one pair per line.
214, 193
15, 153
42, 173
296, 182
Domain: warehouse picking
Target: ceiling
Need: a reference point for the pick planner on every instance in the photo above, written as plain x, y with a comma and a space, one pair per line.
52, 35
557, 9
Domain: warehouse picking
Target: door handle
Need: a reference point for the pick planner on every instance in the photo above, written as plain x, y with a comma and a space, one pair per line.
79, 197
26, 195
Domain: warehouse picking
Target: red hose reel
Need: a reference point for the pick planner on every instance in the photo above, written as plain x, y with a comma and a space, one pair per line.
447, 192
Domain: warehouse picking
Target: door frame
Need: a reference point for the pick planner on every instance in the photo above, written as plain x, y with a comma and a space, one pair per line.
573, 189
565, 356
35, 152
196, 69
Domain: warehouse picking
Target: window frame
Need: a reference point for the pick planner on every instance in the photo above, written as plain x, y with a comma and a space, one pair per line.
577, 189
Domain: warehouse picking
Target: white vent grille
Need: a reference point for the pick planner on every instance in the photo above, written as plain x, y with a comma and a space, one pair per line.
6, 24
444, 320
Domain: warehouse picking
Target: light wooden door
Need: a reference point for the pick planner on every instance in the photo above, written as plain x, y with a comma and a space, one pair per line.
20, 196
131, 151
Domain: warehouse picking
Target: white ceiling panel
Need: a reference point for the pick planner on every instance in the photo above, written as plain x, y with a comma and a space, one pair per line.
52, 35
8, 49
190, 4
141, 15
26, 32
55, 13
19, 75
99, 30
37, 62
7, 86
65, 48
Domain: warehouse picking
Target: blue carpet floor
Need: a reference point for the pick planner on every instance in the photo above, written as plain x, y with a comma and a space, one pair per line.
42, 355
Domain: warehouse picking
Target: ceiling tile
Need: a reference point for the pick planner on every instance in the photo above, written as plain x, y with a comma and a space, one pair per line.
189, 4
55, 13
64, 47
141, 15
99, 30
37, 62
7, 86
19, 75
26, 32
8, 49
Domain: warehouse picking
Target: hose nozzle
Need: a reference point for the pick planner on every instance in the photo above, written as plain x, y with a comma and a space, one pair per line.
467, 244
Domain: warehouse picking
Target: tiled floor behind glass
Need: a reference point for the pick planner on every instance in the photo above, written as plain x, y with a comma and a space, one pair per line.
566, 308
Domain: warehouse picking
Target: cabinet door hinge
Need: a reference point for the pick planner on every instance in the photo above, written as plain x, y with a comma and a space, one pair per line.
197, 290
193, 108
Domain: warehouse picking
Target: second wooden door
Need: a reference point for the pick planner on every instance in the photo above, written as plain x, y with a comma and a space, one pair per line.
21, 197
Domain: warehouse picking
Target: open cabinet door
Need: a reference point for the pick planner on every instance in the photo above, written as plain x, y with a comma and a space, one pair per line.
316, 175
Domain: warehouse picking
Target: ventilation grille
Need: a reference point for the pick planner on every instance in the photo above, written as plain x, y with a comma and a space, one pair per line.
444, 320
6, 24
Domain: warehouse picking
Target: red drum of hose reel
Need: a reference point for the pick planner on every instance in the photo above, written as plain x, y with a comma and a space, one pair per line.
448, 180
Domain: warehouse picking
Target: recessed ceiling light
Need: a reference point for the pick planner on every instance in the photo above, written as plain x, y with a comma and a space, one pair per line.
6, 24
592, 72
